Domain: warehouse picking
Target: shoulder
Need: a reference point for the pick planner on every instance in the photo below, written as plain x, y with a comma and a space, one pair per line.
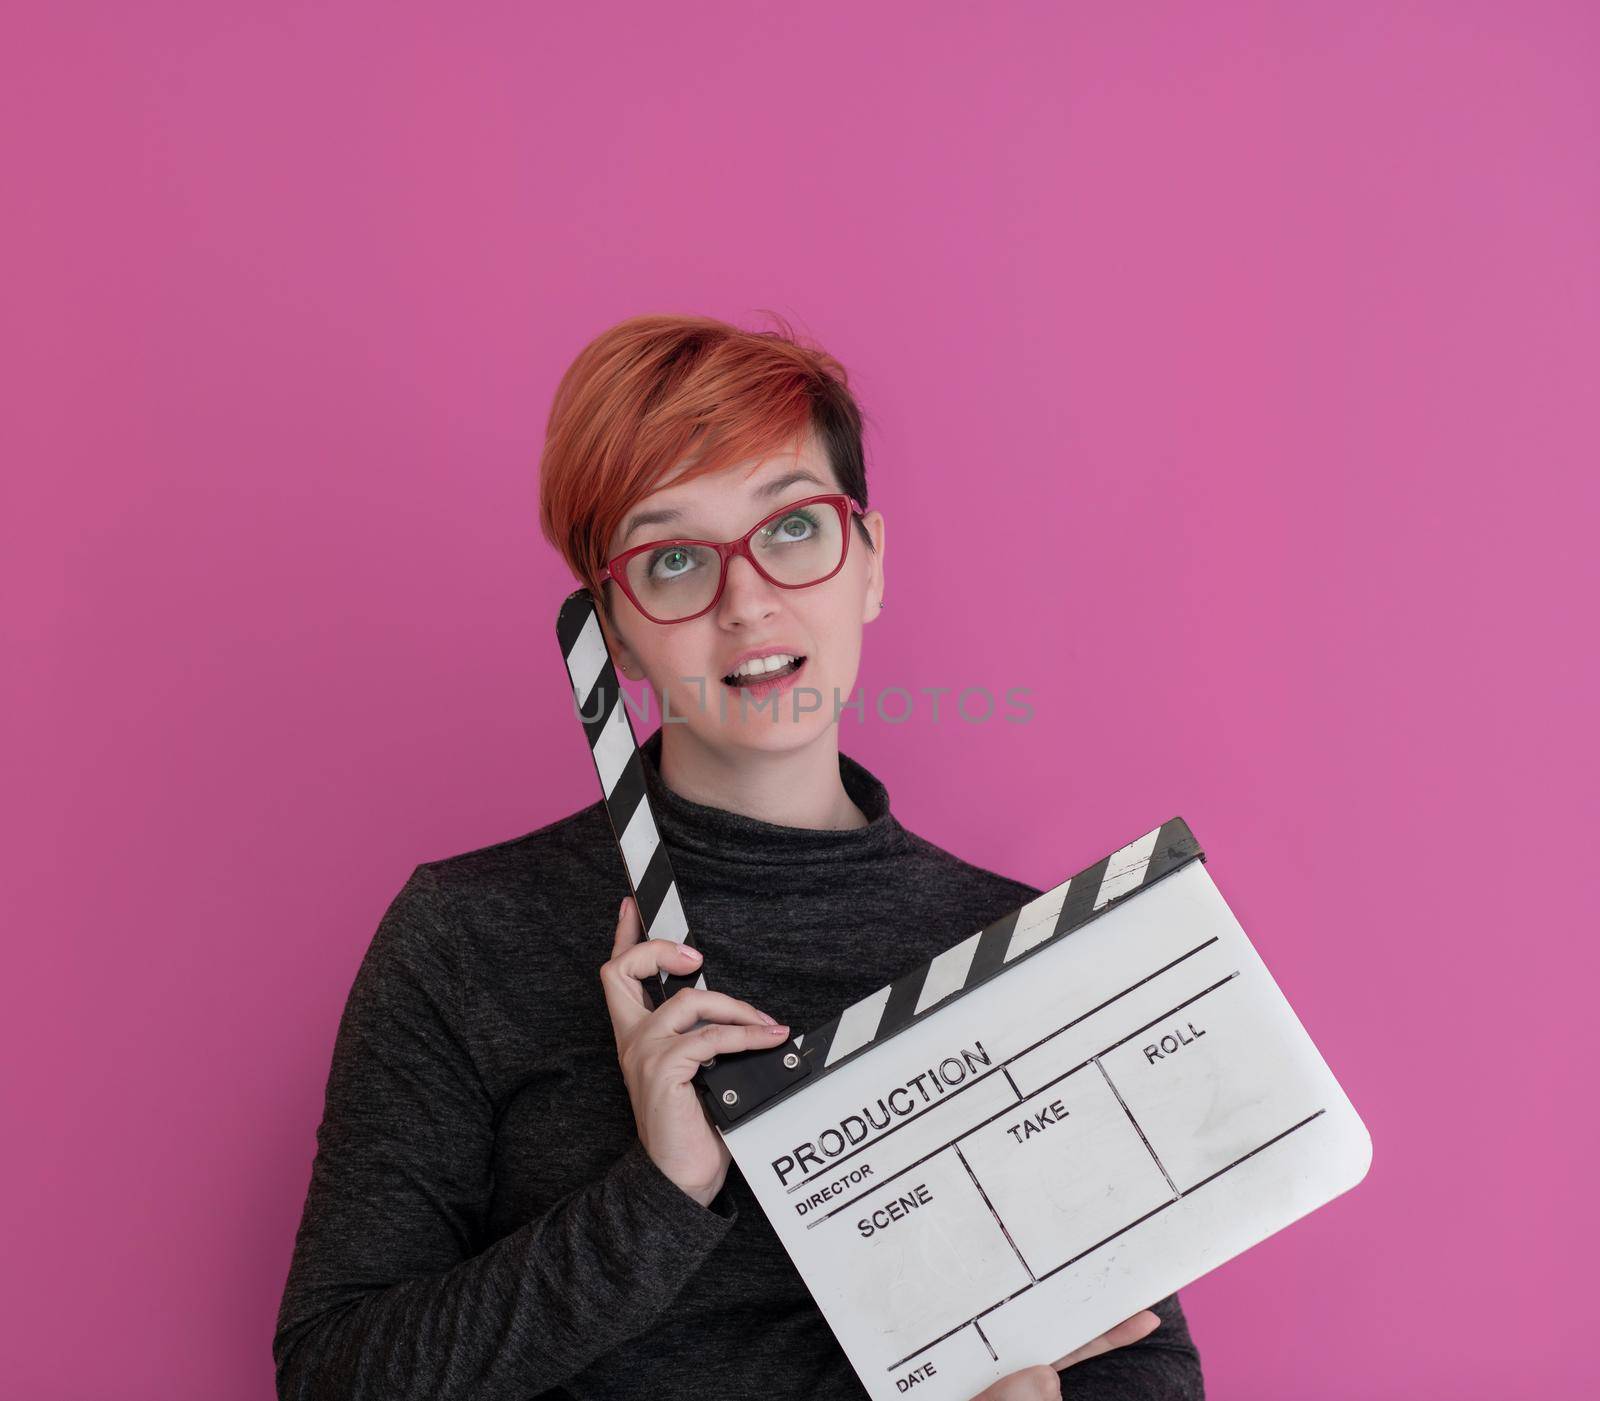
949, 892
573, 851
497, 944
501, 894
947, 865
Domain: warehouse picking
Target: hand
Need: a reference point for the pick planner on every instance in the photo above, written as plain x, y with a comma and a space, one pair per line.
1043, 1383
661, 1049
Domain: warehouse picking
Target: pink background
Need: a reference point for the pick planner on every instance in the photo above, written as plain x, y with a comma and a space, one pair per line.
1268, 333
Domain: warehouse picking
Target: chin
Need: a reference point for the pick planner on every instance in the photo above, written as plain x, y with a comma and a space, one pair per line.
759, 731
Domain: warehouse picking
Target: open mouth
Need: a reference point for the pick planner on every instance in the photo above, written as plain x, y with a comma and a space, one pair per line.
765, 678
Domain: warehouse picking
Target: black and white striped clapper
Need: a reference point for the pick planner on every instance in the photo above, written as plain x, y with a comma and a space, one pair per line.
730, 1086
615, 750
998, 945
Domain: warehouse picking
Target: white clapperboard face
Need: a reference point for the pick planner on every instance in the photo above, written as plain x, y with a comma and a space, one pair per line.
1064, 1117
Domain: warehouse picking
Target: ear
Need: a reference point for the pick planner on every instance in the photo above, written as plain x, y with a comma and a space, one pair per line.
874, 523
621, 654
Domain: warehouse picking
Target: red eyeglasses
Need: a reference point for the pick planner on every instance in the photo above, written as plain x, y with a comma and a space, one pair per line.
798, 545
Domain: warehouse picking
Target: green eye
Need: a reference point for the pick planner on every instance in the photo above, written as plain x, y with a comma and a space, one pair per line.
676, 560
797, 525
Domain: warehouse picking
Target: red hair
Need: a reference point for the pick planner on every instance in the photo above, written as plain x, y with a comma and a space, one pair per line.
644, 396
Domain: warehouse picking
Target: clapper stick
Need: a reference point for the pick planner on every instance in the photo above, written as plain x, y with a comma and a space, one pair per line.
731, 1086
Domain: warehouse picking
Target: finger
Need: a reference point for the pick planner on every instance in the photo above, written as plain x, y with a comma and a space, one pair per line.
634, 959
1130, 1330
631, 961
629, 926
1030, 1384
688, 1053
688, 1007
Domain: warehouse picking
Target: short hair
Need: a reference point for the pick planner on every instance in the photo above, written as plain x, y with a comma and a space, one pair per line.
643, 396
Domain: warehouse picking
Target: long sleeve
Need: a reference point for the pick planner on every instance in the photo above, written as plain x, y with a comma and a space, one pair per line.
387, 1294
1161, 1366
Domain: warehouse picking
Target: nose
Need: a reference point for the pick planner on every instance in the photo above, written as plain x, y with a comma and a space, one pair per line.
746, 596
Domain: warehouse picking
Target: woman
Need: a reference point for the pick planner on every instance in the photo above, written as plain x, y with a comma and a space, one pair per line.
516, 1192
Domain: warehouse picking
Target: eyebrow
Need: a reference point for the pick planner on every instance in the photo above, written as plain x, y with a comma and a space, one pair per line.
667, 515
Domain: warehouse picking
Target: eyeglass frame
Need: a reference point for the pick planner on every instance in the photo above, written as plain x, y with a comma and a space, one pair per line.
847, 506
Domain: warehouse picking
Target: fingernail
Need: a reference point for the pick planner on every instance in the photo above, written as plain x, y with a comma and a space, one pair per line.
770, 1021
777, 1030
690, 950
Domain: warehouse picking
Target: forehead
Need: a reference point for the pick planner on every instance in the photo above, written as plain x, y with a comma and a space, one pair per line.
720, 501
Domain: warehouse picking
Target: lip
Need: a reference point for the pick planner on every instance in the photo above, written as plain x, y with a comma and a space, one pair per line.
761, 689
752, 653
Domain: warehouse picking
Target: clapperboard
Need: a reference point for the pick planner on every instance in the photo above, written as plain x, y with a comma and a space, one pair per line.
1061, 1119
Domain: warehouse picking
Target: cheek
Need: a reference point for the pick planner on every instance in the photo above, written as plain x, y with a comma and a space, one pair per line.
678, 668
836, 634
664, 668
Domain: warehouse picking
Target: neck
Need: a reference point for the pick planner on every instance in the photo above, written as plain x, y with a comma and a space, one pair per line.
791, 788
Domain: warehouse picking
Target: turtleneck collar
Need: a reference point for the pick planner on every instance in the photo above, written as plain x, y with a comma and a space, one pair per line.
720, 834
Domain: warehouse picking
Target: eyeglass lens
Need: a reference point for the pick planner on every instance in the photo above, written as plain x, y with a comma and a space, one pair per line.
796, 547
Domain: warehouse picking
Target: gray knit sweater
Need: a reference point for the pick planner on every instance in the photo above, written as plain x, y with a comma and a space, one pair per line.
482, 1220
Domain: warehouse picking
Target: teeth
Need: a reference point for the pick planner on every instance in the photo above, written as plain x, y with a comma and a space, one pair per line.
762, 665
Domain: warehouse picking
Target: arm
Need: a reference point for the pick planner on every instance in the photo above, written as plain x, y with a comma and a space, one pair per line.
388, 1295
1164, 1365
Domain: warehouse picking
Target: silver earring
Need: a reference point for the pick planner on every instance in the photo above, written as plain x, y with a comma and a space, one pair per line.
880, 603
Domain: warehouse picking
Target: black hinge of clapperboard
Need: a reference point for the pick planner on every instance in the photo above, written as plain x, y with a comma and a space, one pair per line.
734, 1085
